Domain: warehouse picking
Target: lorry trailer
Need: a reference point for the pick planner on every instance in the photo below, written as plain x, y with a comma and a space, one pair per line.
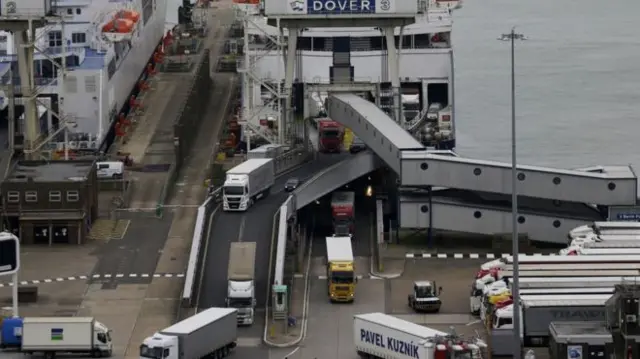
574, 282
210, 333
539, 311
574, 273
569, 339
241, 281
53, 335
247, 182
378, 335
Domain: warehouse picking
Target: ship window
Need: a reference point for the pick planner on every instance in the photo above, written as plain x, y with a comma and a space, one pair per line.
147, 10
55, 38
78, 37
421, 41
318, 43
304, 43
375, 43
111, 69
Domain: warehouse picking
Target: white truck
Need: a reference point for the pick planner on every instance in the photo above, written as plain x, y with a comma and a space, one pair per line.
378, 335
240, 280
247, 182
52, 335
210, 333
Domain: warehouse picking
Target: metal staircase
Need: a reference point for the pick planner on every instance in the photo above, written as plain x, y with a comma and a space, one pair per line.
417, 122
255, 50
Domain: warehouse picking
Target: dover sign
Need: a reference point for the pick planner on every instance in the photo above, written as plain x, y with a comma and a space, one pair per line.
333, 7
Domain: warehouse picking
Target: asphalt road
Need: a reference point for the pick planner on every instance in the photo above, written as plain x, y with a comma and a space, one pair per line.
255, 225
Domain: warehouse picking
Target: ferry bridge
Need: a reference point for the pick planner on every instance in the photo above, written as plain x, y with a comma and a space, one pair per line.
482, 187
552, 198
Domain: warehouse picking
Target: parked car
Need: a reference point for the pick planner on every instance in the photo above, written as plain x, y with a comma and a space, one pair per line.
110, 170
357, 145
291, 184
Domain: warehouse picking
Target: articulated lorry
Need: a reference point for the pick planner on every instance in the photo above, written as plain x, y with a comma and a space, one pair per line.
211, 333
342, 211
378, 335
241, 281
538, 311
54, 335
246, 183
341, 276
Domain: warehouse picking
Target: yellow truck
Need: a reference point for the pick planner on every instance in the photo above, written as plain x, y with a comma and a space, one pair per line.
341, 276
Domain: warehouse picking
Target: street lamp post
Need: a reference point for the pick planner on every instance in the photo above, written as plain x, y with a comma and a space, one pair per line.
515, 290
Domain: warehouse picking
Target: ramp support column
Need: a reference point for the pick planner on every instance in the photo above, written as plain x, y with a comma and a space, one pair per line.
27, 80
290, 60
394, 72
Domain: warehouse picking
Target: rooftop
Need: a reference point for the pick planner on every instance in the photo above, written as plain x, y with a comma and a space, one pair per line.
50, 171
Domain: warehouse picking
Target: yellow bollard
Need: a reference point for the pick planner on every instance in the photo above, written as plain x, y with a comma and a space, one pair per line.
272, 331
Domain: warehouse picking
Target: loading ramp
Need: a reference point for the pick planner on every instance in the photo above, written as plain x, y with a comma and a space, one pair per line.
334, 177
416, 166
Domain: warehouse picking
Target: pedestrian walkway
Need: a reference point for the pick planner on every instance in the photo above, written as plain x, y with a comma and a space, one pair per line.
108, 229
93, 276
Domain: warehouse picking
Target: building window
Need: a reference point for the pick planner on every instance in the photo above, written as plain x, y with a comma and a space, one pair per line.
78, 37
55, 196
13, 196
78, 11
55, 38
31, 196
73, 196
70, 11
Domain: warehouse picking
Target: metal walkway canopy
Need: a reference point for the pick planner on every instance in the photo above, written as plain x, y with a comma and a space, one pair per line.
613, 185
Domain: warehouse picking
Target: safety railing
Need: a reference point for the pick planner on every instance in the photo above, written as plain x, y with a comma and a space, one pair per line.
196, 254
346, 169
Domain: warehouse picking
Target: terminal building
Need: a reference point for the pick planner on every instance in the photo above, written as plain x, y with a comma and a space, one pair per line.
50, 202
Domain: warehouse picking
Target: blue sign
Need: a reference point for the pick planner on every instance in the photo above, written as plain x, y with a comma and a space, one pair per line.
409, 349
319, 7
628, 216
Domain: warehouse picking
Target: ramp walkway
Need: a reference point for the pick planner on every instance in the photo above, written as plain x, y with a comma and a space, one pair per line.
615, 185
490, 214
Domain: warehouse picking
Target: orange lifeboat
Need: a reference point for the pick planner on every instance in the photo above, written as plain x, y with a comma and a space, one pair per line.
121, 26
134, 16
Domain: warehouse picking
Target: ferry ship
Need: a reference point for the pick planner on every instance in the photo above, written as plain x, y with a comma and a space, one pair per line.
359, 55
108, 45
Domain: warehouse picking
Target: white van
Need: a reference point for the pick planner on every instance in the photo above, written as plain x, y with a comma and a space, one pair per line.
110, 169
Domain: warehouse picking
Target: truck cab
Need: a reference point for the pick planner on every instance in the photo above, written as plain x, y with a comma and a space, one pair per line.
160, 346
425, 297
235, 193
241, 295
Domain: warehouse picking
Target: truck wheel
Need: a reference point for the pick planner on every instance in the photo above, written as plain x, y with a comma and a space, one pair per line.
225, 352
96, 353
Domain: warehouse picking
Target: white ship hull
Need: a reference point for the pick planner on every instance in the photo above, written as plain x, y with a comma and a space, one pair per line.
426, 67
102, 76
